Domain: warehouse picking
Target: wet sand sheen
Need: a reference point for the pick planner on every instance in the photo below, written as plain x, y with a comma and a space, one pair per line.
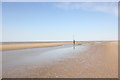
88, 61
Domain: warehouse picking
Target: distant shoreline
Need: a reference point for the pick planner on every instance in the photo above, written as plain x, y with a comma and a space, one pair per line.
52, 41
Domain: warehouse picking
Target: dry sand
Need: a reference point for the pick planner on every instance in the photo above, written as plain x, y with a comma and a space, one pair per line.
98, 61
18, 46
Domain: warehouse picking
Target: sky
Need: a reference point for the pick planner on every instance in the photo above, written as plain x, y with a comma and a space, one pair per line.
60, 0
59, 21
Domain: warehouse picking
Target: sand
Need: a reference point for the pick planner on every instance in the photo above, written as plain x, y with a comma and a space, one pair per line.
97, 61
19, 46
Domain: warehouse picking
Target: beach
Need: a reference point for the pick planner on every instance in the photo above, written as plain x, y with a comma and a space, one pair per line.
59, 39
61, 60
17, 46
30, 45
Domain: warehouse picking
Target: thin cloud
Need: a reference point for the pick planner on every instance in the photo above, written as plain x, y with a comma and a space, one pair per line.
107, 7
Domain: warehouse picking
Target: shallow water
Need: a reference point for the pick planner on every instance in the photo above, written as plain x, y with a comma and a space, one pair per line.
40, 56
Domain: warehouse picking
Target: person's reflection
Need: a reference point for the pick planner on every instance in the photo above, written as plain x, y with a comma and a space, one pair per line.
73, 44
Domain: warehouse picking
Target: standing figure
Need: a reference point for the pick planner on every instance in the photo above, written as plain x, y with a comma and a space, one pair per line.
74, 42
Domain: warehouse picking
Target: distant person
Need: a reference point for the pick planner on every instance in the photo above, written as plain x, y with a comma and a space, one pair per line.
74, 42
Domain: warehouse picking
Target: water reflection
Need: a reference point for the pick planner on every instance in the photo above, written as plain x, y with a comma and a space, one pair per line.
73, 46
41, 56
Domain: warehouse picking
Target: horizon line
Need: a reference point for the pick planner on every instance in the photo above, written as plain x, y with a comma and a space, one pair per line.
59, 41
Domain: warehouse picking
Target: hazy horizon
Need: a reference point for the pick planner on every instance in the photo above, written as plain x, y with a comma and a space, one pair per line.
51, 41
59, 21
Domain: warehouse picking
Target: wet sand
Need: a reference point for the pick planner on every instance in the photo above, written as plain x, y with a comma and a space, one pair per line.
98, 60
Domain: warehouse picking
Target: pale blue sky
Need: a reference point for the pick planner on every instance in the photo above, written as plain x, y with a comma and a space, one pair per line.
50, 21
